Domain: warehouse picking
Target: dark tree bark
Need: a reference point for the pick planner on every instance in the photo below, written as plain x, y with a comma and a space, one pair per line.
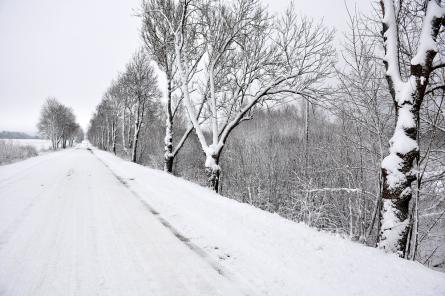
214, 172
398, 167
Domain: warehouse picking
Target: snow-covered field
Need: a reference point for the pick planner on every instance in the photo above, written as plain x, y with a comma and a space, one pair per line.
39, 144
81, 222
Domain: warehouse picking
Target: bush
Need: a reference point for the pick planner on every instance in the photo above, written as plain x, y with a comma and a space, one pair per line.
10, 152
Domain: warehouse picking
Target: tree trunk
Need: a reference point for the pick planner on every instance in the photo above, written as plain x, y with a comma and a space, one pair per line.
107, 133
114, 134
213, 178
306, 140
102, 145
124, 147
135, 143
168, 140
398, 167
168, 164
398, 174
129, 142
168, 155
53, 143
213, 171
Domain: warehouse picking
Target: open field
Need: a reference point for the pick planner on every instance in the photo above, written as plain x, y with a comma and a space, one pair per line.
12, 150
38, 144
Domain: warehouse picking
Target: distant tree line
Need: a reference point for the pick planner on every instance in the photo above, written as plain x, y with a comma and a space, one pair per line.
58, 124
15, 135
261, 104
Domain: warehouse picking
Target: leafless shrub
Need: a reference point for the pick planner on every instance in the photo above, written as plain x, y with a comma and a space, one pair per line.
10, 152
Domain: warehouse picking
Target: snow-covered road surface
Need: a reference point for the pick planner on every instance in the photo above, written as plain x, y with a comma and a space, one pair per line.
81, 222
69, 227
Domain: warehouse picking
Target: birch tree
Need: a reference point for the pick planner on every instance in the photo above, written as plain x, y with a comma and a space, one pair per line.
407, 91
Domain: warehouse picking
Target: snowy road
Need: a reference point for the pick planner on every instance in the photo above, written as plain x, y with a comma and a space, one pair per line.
81, 222
68, 226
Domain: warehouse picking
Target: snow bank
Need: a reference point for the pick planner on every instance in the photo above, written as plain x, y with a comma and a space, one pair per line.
268, 254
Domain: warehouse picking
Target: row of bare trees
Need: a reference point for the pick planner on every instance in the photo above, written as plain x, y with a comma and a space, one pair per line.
225, 59
58, 123
129, 104
324, 159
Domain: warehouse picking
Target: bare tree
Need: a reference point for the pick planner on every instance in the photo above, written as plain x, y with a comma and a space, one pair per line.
262, 60
159, 17
141, 83
361, 104
408, 92
58, 123
318, 161
113, 105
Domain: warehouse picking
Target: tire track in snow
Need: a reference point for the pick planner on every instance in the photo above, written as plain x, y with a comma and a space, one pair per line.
15, 224
20, 175
182, 238
23, 174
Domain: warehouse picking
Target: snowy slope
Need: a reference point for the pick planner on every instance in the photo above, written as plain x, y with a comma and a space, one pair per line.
82, 222
269, 254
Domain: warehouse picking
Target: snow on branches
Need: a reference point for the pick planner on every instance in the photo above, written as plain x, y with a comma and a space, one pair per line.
398, 167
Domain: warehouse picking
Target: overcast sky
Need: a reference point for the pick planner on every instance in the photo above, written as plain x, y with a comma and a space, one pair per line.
72, 49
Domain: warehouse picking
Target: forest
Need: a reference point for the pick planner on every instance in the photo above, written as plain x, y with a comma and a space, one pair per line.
272, 110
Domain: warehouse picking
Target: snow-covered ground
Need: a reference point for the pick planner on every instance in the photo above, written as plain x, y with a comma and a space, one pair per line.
80, 222
39, 144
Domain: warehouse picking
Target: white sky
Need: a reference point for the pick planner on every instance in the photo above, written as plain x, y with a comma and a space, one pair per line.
72, 49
